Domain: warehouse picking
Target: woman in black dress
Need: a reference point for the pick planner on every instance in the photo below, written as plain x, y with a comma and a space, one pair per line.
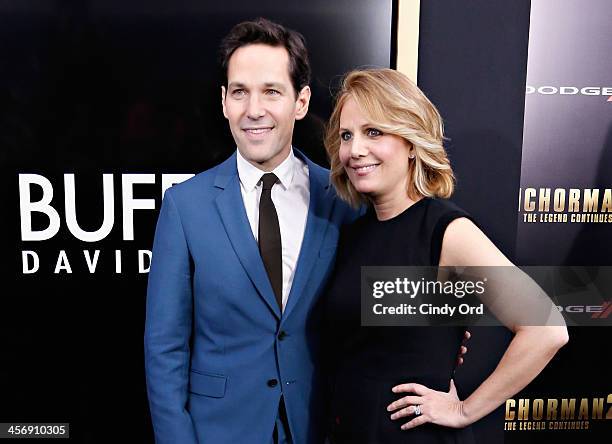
394, 384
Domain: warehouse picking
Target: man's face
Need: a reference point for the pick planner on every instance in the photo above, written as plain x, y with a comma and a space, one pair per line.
261, 105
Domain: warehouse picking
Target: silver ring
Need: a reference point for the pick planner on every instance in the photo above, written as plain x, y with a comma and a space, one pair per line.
417, 410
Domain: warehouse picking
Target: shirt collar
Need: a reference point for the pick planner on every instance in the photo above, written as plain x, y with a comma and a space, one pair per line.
250, 175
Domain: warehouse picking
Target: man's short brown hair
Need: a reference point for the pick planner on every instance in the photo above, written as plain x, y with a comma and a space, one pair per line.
264, 31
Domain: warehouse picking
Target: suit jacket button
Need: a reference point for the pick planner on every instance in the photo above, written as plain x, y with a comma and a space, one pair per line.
282, 335
272, 383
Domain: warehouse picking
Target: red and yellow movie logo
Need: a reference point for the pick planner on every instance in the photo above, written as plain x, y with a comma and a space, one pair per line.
556, 414
565, 205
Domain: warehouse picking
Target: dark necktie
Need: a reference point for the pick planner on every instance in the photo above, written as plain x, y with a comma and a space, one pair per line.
270, 246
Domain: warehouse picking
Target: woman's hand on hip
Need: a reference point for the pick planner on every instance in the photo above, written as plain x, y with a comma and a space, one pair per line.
427, 405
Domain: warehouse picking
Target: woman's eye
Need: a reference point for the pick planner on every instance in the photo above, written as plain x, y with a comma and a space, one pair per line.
345, 136
373, 132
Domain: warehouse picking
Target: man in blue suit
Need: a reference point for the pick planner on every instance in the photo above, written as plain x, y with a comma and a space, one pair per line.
241, 255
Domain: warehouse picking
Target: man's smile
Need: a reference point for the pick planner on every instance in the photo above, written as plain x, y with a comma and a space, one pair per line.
257, 132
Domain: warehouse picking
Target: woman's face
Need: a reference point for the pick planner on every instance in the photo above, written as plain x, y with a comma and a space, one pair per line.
376, 163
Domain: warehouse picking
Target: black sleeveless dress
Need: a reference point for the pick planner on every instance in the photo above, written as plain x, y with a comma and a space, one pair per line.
366, 362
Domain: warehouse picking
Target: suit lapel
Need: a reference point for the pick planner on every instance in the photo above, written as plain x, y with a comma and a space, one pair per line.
231, 209
319, 208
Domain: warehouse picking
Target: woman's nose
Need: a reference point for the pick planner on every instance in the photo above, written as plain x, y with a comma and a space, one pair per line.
359, 147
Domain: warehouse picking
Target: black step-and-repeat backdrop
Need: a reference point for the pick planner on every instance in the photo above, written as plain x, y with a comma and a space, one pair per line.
105, 104
472, 63
565, 210
526, 92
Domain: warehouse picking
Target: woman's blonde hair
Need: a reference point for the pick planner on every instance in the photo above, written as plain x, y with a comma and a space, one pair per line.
394, 105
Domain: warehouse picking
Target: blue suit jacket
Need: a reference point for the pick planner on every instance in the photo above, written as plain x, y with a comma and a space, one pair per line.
213, 341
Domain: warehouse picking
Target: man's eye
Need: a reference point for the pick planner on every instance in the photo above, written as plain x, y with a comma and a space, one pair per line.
373, 132
345, 136
238, 92
272, 92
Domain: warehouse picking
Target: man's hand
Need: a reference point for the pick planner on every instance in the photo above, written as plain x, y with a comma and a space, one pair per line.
463, 348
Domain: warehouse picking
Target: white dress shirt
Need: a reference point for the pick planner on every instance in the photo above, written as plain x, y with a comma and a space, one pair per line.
291, 196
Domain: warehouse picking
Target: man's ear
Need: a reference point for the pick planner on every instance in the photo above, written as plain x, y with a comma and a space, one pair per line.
223, 101
302, 103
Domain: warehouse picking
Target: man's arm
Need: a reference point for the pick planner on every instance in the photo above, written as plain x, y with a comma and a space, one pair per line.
168, 329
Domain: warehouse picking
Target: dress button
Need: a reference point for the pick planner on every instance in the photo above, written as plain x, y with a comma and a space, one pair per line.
282, 335
272, 382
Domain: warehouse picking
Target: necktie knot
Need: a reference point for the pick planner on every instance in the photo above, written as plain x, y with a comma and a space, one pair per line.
268, 180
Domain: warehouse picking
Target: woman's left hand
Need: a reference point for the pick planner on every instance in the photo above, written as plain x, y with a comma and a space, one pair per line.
442, 408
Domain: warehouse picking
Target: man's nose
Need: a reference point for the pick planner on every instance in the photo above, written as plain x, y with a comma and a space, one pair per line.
255, 109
